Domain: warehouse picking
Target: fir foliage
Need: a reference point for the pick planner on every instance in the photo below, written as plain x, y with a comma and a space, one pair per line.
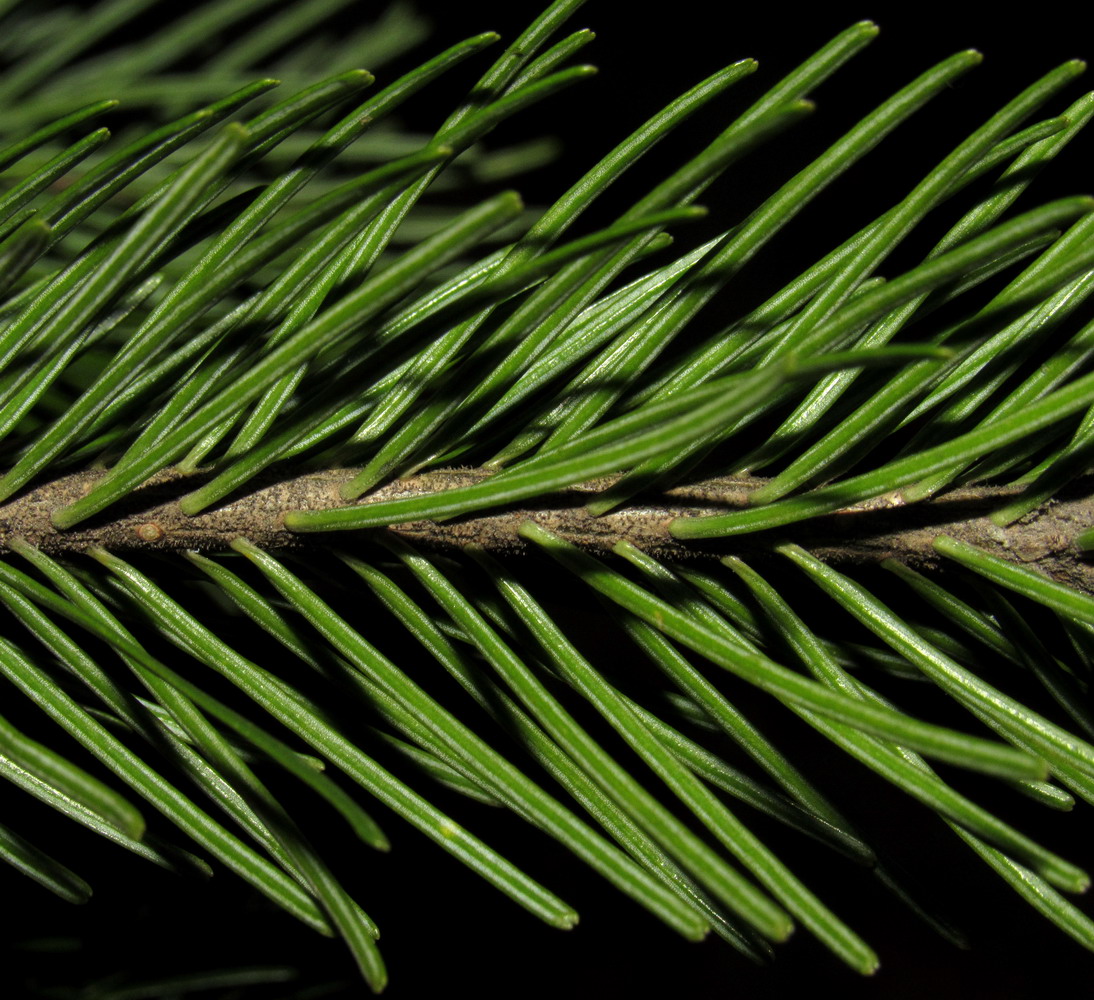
254, 298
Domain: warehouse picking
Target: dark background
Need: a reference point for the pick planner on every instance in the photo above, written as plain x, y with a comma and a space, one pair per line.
443, 928
645, 60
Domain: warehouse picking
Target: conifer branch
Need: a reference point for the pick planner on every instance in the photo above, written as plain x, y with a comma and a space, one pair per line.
878, 529
247, 285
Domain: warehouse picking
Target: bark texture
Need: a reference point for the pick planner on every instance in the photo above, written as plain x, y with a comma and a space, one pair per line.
868, 532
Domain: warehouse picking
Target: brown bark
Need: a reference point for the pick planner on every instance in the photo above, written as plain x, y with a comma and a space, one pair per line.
868, 532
